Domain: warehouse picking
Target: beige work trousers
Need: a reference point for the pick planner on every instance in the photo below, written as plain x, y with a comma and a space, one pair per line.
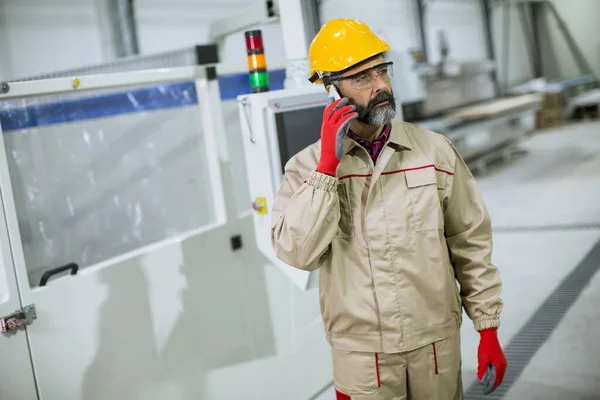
432, 372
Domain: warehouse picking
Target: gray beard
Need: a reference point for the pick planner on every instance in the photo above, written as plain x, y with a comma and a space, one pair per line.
378, 116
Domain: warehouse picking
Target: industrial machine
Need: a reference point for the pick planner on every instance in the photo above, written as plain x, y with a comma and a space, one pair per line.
275, 126
129, 267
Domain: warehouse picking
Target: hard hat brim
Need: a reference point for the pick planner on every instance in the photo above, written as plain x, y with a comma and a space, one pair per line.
316, 77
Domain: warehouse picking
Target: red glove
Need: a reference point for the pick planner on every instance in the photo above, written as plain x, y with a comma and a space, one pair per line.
336, 118
492, 363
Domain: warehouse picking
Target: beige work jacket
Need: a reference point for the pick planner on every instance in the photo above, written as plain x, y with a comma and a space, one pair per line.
391, 241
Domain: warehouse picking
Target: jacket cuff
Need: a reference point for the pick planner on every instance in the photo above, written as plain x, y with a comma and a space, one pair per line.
486, 323
322, 181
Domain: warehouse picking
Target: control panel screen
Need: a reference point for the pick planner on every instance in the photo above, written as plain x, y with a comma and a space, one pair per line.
296, 130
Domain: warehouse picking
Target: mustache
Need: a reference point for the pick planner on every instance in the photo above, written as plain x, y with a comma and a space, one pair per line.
380, 97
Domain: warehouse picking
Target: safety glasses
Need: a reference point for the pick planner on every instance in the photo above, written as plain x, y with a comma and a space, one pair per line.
366, 79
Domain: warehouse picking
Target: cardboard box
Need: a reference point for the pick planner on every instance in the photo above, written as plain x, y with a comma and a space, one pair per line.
551, 100
549, 118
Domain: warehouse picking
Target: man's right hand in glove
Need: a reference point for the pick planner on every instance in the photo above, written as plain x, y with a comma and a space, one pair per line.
336, 118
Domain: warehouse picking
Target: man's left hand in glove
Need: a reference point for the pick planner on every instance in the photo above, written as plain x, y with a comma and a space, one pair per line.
492, 363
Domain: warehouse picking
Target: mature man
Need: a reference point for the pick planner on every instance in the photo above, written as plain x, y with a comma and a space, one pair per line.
393, 222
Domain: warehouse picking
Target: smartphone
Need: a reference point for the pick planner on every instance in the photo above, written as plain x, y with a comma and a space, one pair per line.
334, 95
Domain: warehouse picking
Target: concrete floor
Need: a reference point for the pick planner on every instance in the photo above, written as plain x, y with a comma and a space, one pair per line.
545, 208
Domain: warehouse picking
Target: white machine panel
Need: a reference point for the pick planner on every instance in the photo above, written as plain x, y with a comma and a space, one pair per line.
275, 126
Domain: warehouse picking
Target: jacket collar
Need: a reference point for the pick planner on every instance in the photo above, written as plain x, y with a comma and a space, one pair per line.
397, 137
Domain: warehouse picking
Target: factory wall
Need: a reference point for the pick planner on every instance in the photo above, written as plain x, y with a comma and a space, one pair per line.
514, 62
510, 46
463, 25
4, 49
42, 37
580, 17
163, 26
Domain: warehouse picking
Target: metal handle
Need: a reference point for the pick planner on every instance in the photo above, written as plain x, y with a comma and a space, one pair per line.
72, 266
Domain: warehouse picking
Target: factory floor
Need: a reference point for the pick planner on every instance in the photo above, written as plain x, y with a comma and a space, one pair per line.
545, 208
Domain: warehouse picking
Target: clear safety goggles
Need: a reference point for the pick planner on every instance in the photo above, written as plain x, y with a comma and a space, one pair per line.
366, 79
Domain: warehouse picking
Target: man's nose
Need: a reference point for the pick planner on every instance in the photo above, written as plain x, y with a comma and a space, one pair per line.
379, 85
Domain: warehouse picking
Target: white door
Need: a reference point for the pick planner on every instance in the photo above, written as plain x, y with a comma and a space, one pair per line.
125, 186
15, 371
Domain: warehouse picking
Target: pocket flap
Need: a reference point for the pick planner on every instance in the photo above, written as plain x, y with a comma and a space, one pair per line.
420, 177
355, 373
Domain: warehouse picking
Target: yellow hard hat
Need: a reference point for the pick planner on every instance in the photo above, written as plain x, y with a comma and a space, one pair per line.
341, 44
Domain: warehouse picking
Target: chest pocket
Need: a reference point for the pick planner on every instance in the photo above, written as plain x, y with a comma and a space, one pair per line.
346, 226
424, 199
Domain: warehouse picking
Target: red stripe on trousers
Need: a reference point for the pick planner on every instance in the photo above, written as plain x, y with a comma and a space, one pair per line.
341, 396
435, 359
377, 370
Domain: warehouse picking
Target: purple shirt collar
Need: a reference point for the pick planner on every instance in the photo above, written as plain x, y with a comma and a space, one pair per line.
374, 147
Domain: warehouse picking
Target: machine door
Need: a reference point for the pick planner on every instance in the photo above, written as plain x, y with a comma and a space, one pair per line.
116, 222
15, 369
